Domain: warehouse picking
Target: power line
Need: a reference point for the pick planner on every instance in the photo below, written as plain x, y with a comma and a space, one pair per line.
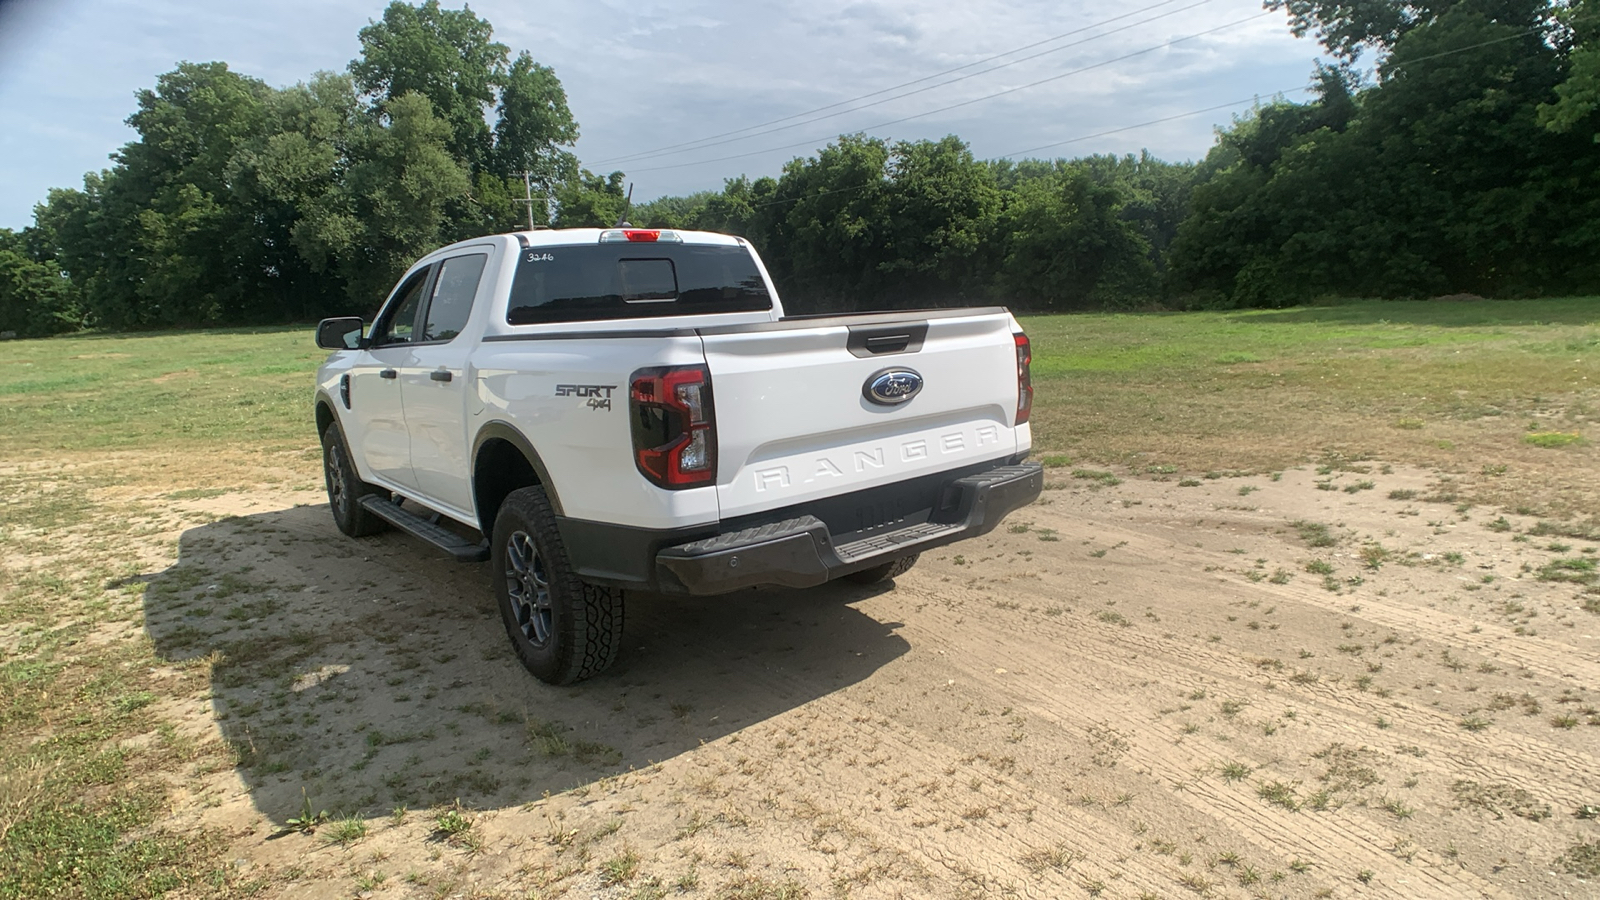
1163, 119
704, 143
1297, 90
901, 85
1183, 115
941, 109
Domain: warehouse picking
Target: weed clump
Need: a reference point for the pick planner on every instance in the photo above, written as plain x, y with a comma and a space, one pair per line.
1582, 859
1552, 439
1315, 534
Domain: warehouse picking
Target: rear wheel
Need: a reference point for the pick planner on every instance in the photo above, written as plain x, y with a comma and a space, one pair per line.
562, 628
345, 488
884, 572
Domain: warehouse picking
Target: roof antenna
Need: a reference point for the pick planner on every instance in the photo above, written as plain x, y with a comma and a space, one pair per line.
622, 220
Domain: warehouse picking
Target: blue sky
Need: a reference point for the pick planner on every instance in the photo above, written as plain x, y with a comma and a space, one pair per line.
645, 74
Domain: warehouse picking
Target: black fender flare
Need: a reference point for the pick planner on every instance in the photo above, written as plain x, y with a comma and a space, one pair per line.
324, 399
499, 429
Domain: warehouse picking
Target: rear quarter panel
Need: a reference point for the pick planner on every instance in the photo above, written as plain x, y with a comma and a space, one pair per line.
569, 398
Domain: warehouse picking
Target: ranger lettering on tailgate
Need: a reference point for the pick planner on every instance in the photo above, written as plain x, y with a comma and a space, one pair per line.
779, 477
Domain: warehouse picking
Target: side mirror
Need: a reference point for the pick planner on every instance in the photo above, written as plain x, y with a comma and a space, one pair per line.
339, 334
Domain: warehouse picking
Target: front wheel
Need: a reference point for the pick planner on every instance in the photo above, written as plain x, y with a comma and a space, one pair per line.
345, 488
562, 628
884, 571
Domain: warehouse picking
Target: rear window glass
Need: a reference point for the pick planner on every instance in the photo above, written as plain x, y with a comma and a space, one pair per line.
628, 281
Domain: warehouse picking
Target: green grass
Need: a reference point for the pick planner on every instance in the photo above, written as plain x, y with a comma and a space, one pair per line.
1267, 389
1579, 570
194, 389
78, 850
1552, 439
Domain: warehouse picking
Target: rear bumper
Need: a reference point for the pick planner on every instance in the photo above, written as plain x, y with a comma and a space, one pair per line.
800, 552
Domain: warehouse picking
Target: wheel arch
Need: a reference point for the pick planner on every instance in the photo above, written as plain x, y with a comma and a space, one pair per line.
326, 416
503, 460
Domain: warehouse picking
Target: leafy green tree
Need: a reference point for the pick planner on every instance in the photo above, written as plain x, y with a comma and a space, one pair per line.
1437, 179
590, 201
1347, 27
301, 156
741, 208
450, 57
392, 204
940, 210
1067, 245
155, 240
446, 55
826, 234
1577, 104
671, 212
535, 127
36, 298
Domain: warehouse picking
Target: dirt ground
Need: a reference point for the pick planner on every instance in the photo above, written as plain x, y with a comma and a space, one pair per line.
1139, 687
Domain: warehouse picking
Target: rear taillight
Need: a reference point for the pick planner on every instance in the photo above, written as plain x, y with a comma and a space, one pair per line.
674, 426
1024, 377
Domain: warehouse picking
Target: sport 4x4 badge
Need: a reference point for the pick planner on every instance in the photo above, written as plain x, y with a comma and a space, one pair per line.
599, 394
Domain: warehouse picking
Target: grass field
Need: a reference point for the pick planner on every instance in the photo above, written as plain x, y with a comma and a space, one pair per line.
101, 435
1460, 385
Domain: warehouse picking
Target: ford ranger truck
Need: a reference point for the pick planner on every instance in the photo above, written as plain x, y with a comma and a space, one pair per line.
598, 411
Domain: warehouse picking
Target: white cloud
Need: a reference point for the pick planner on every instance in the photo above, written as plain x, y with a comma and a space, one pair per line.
651, 73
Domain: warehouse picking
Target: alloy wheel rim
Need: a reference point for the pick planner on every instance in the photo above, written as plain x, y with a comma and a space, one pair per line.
528, 586
336, 491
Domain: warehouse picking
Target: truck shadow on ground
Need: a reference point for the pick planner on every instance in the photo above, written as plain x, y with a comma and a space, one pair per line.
372, 675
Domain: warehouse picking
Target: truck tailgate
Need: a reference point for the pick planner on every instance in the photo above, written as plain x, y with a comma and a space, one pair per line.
795, 422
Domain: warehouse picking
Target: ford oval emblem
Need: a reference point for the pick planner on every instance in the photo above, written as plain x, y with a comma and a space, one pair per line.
891, 387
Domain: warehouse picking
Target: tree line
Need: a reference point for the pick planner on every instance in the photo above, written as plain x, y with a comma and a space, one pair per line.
1468, 161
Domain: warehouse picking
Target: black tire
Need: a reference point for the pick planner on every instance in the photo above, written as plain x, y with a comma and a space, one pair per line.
345, 488
885, 571
563, 629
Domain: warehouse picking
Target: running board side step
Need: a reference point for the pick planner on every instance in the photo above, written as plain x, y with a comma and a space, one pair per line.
454, 544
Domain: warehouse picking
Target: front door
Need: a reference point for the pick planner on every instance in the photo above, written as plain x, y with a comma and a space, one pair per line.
436, 385
376, 407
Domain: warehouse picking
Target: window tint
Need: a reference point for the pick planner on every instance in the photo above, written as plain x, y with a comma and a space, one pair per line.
452, 297
626, 281
396, 328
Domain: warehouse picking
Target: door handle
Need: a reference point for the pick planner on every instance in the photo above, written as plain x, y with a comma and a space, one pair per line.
440, 375
388, 373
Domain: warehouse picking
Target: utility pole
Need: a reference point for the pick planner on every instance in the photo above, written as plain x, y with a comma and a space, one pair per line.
527, 183
549, 200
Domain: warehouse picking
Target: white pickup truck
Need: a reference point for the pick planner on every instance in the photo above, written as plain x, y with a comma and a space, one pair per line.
595, 411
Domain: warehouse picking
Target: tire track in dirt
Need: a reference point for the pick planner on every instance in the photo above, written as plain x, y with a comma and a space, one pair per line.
1552, 659
1528, 762
1185, 665
1338, 839
964, 832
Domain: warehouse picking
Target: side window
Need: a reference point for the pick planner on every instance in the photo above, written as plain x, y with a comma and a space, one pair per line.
397, 326
453, 291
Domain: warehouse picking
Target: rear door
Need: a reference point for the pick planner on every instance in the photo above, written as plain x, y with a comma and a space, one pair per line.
375, 396
808, 410
435, 383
